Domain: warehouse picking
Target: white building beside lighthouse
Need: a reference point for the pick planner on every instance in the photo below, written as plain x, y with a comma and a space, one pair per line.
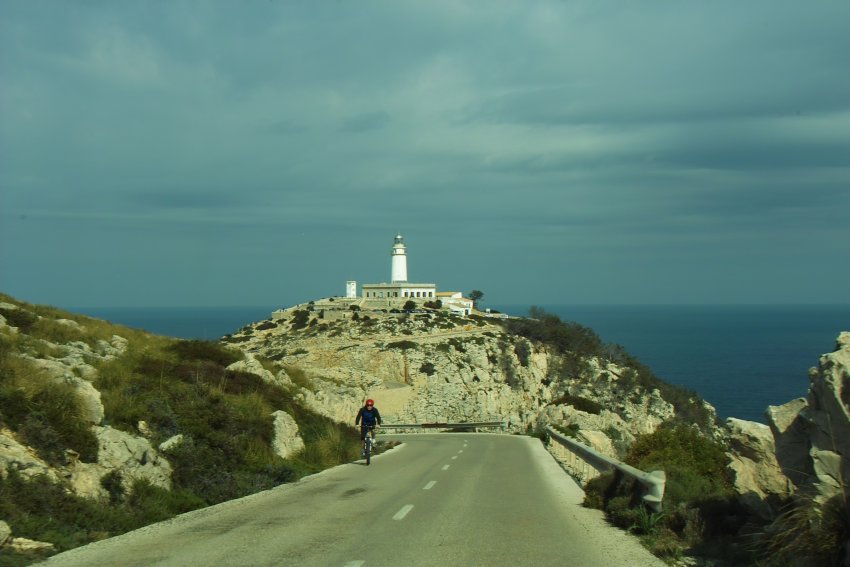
399, 289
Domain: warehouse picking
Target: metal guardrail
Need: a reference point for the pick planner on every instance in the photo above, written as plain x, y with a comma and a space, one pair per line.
653, 482
442, 425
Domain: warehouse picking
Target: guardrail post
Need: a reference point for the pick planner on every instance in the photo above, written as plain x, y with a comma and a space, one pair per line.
655, 483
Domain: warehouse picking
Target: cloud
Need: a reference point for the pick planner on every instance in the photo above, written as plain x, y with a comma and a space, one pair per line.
365, 122
588, 132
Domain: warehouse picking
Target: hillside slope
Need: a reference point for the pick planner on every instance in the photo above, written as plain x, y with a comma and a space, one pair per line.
432, 366
104, 429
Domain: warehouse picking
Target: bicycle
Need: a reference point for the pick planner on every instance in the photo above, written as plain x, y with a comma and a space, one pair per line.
368, 441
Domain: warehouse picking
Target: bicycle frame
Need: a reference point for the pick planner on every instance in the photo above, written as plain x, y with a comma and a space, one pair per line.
368, 441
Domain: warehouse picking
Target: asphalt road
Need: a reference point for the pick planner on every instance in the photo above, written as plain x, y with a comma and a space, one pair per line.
440, 499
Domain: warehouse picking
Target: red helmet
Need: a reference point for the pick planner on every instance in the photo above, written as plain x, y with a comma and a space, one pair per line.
370, 402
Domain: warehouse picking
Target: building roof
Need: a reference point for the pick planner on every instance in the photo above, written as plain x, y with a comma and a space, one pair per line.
399, 285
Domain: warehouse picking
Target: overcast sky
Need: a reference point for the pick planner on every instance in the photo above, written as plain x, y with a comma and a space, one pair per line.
264, 152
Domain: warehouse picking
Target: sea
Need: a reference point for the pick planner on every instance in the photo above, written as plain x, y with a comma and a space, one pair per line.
740, 358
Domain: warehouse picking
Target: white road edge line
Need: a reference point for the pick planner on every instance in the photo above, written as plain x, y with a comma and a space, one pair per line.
430, 485
446, 467
403, 512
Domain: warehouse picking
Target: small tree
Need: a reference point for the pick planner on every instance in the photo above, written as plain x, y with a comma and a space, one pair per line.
409, 305
475, 295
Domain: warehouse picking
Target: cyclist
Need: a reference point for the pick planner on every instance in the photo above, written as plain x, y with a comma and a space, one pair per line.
368, 417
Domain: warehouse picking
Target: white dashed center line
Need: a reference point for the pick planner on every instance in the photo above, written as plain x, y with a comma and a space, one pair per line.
403, 512
454, 457
446, 467
430, 485
356, 563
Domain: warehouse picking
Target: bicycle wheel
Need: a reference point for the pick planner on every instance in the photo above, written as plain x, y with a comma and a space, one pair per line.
368, 450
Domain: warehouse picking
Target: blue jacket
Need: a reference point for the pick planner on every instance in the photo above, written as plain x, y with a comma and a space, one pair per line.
369, 417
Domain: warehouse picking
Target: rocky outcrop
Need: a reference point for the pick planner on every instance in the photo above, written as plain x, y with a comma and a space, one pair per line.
754, 470
251, 365
813, 434
435, 367
72, 365
287, 441
21, 459
130, 456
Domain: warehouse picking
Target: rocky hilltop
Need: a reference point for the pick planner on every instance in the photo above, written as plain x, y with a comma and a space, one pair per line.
432, 366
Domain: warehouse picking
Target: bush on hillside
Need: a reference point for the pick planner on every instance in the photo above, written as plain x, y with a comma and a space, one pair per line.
41, 510
808, 533
522, 350
699, 507
211, 351
566, 337
224, 416
45, 414
300, 318
20, 318
577, 343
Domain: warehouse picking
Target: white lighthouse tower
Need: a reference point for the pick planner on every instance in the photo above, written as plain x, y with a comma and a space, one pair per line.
399, 260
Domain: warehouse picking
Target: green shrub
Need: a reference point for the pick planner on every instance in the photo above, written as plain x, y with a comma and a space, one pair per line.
204, 351
403, 345
550, 329
700, 510
427, 368
522, 351
695, 464
266, 325
808, 533
22, 319
598, 490
52, 424
114, 486
299, 319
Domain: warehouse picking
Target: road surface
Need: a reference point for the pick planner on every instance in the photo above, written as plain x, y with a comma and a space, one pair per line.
442, 499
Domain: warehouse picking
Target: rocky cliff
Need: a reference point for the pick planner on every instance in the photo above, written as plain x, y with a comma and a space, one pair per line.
805, 446
431, 366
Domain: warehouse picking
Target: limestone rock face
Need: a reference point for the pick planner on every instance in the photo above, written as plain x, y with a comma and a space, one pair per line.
22, 459
131, 456
171, 442
430, 367
287, 440
755, 472
251, 365
813, 434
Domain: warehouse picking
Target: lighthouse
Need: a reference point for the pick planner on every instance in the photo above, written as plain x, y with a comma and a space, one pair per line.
399, 260
399, 291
